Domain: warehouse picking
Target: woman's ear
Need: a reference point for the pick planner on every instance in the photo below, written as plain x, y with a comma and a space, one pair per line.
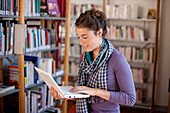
100, 32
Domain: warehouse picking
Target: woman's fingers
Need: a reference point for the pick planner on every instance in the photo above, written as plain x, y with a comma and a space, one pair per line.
78, 89
54, 93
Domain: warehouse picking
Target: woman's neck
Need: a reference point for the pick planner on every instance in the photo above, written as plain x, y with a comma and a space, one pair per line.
96, 51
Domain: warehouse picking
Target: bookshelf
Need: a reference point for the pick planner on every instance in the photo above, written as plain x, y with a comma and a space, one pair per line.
20, 57
150, 28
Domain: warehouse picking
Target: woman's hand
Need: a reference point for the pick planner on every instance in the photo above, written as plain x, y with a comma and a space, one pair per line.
55, 93
84, 90
92, 91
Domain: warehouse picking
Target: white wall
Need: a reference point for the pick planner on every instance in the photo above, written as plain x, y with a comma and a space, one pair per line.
163, 70
96, 2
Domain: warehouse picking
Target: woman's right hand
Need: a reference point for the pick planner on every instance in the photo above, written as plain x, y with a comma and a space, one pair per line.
55, 93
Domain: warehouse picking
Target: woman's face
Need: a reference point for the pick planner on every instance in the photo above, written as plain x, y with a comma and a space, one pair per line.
88, 39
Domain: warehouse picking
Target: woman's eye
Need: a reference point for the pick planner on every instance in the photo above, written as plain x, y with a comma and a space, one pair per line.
84, 37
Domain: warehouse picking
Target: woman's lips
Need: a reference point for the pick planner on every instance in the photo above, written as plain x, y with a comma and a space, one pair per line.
85, 47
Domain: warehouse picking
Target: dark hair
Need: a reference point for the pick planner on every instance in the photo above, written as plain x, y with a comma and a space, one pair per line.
92, 19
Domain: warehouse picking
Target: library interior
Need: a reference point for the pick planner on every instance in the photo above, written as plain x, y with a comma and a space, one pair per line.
74, 42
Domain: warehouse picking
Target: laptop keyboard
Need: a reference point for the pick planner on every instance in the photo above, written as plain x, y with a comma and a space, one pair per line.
66, 88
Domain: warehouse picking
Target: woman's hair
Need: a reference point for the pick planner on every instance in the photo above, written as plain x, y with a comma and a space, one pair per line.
93, 20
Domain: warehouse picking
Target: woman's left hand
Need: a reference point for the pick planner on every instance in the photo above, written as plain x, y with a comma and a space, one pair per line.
84, 90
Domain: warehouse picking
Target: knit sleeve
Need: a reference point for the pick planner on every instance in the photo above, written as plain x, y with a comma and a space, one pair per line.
126, 95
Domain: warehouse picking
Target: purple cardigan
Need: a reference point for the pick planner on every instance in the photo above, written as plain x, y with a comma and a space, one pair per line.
120, 85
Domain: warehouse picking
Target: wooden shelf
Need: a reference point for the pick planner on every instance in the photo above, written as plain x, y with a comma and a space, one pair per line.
6, 16
132, 43
34, 17
9, 92
142, 107
145, 83
140, 64
138, 20
4, 56
137, 105
71, 57
74, 40
72, 75
41, 50
46, 18
35, 51
75, 56
137, 64
118, 42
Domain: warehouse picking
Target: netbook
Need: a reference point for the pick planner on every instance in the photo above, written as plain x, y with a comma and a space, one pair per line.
63, 91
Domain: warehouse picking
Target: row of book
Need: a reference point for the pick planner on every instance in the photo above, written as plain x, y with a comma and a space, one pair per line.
38, 99
126, 33
36, 37
73, 68
123, 11
76, 10
142, 96
7, 37
33, 7
138, 75
137, 54
62, 30
40, 38
9, 7
139, 96
30, 75
74, 49
38, 8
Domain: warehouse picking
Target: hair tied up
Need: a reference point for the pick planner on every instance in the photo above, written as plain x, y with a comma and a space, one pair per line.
93, 20
96, 14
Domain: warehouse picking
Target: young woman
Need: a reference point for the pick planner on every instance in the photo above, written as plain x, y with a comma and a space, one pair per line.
104, 73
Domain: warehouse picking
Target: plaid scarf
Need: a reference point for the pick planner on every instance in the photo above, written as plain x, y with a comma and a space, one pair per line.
98, 78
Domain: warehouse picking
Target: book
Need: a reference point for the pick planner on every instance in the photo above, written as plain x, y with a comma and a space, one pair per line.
4, 88
35, 61
19, 41
14, 74
43, 9
151, 14
53, 8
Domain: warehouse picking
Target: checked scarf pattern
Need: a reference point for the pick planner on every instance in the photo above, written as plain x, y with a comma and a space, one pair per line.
98, 72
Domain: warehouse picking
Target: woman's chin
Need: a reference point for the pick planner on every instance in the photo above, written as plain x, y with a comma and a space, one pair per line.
87, 50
